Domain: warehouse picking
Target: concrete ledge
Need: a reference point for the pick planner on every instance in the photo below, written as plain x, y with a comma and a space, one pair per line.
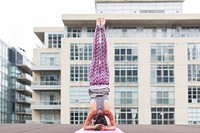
65, 128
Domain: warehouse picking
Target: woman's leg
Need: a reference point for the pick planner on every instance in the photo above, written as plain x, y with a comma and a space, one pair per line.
94, 67
104, 70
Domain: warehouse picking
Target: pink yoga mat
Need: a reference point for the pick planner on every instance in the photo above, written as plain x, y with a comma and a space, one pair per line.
89, 131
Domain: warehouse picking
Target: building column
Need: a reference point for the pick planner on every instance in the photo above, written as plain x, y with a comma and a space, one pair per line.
181, 88
144, 88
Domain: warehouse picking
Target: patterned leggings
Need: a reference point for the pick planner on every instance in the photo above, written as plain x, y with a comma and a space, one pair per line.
99, 72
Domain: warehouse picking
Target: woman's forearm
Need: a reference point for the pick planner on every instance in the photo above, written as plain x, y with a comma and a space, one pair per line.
88, 127
111, 128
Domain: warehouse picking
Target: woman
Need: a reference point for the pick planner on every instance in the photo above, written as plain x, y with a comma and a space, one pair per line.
99, 81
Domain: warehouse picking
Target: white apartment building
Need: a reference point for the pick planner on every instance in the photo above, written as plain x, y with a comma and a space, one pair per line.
154, 62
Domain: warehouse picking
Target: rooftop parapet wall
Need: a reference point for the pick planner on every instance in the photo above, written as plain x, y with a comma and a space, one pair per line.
113, 1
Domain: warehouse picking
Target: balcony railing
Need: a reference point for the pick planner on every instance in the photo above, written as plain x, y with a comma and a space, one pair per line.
25, 64
42, 68
24, 100
46, 85
25, 88
25, 77
24, 111
47, 105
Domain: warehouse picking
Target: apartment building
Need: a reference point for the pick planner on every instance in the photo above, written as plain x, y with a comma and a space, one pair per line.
153, 57
15, 90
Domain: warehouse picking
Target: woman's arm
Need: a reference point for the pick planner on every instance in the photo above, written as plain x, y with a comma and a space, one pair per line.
88, 121
112, 121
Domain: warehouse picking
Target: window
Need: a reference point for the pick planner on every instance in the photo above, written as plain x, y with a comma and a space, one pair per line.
79, 94
162, 96
194, 94
74, 32
193, 51
50, 116
193, 116
126, 73
54, 40
162, 52
78, 115
162, 116
126, 96
90, 32
126, 115
194, 72
80, 51
50, 97
79, 72
49, 59
126, 52
49, 78
162, 73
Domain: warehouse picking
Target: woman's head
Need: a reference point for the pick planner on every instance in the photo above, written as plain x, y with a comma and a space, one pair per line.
100, 118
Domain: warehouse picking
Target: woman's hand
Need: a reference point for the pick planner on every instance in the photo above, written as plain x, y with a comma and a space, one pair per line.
97, 127
104, 128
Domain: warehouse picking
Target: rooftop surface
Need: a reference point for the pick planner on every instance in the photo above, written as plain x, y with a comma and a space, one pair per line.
64, 128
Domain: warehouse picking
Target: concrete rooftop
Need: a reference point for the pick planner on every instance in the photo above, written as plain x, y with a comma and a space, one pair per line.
63, 128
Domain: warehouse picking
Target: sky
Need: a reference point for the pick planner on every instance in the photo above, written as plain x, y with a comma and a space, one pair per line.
19, 17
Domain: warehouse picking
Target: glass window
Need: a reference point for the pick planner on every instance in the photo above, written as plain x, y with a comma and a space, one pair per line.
194, 72
162, 73
74, 32
54, 40
78, 115
162, 116
50, 97
126, 73
126, 96
79, 94
126, 52
90, 32
193, 51
125, 115
162, 96
193, 116
49, 59
50, 116
80, 51
49, 78
194, 94
79, 73
162, 52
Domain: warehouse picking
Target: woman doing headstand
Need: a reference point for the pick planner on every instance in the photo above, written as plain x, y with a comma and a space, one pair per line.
99, 81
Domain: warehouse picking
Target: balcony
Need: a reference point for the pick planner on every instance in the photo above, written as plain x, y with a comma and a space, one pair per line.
25, 77
24, 100
46, 68
25, 89
46, 85
25, 64
26, 111
53, 105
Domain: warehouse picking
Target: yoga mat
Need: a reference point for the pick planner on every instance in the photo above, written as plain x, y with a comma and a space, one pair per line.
92, 131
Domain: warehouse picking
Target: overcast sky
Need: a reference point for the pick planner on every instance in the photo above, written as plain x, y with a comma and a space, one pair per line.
18, 17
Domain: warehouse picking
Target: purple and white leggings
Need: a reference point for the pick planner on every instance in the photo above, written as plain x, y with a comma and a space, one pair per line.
99, 71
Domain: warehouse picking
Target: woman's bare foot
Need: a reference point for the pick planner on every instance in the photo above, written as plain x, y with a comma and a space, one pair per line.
98, 21
103, 21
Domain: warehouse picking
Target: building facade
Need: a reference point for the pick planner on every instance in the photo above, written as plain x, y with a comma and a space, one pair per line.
15, 90
153, 57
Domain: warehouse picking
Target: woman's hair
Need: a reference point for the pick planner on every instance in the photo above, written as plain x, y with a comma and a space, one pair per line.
101, 120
